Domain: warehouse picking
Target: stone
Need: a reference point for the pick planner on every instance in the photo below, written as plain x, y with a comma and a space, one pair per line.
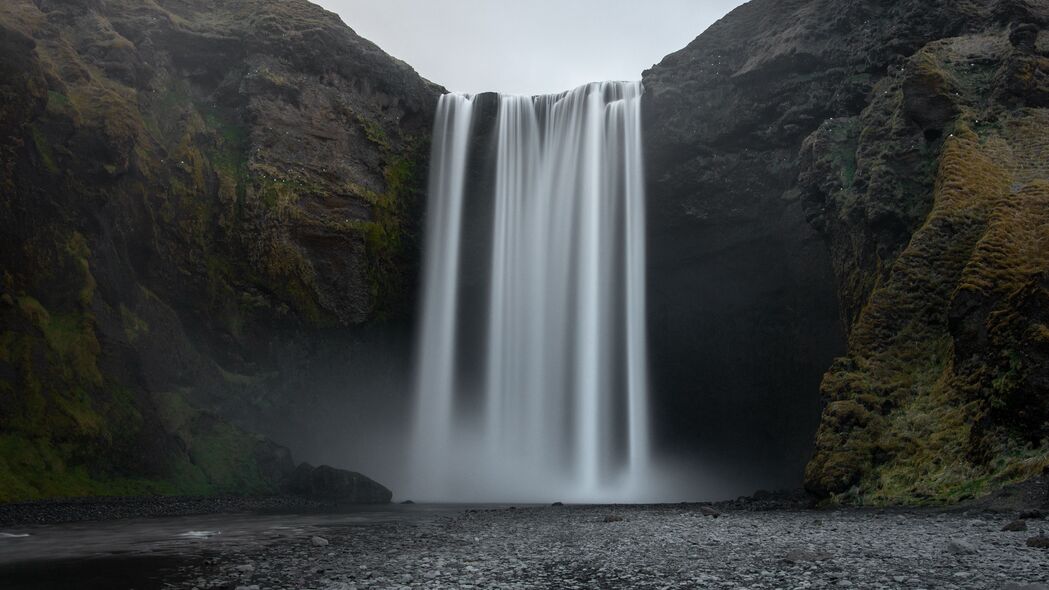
319, 541
1015, 526
613, 518
803, 555
961, 547
709, 511
1039, 542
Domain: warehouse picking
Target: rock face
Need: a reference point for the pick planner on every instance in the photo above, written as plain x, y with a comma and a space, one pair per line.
911, 136
194, 197
743, 314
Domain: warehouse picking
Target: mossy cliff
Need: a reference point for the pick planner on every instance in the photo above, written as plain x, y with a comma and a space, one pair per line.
192, 194
944, 395
912, 137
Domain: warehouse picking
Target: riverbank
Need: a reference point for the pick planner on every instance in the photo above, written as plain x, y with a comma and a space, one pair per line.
419, 546
644, 547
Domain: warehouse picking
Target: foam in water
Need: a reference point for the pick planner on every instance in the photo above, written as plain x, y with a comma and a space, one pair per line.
562, 406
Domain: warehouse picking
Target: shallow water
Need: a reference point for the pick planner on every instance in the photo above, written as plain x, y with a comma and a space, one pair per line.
145, 553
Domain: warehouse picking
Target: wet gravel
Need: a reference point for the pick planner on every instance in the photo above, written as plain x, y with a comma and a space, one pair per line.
641, 547
101, 509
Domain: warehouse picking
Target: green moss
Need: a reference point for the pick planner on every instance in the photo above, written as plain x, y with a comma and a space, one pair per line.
34, 468
384, 235
1007, 381
224, 302
375, 133
221, 458
942, 347
60, 104
134, 326
228, 153
57, 100
43, 149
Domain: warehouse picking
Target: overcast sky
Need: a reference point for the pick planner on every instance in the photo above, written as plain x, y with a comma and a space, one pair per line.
529, 46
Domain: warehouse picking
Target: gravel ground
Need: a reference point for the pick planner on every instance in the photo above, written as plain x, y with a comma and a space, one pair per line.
641, 547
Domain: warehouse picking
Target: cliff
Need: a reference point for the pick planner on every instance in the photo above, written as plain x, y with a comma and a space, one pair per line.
209, 219
194, 197
910, 136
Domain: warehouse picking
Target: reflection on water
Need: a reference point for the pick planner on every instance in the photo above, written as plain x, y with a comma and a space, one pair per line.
146, 553
111, 573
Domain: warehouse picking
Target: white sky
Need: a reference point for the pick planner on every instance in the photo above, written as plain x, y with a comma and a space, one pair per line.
529, 46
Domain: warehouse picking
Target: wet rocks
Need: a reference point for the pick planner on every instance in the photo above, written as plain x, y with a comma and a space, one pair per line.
652, 547
1016, 526
961, 547
1039, 542
802, 555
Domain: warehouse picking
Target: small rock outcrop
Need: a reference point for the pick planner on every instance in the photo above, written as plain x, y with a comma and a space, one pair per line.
338, 486
1015, 526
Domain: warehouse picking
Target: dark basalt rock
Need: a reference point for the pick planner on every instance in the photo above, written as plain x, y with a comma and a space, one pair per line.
339, 486
1015, 526
1039, 542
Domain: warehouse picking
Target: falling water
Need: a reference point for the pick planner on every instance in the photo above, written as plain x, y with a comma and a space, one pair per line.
557, 405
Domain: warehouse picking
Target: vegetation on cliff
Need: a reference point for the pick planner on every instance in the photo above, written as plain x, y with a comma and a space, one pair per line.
943, 396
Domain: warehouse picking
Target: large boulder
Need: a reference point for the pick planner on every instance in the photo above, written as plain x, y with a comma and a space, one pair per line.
328, 484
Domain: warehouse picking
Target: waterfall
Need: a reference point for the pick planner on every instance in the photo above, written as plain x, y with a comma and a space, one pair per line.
532, 371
